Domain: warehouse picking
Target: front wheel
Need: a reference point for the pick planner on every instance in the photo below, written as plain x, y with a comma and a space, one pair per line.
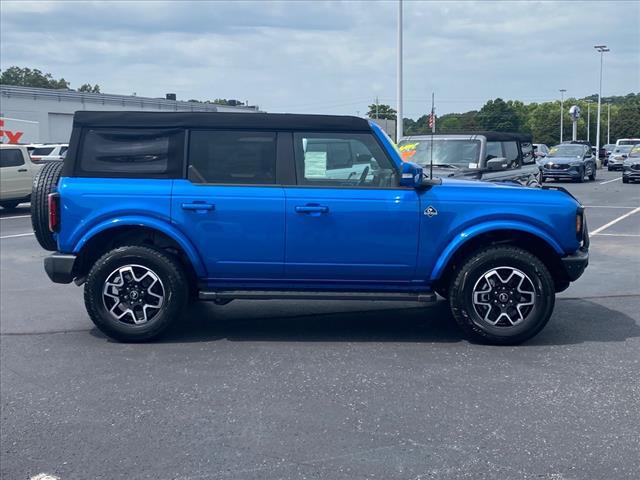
133, 293
580, 178
502, 295
592, 174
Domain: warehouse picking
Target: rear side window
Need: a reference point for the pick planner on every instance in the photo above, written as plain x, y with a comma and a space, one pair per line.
11, 157
154, 153
232, 157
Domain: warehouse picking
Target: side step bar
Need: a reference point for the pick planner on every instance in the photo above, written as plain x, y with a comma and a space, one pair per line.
228, 295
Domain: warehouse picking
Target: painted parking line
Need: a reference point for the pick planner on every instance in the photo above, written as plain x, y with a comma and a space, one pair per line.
618, 235
609, 181
16, 235
15, 216
614, 221
607, 206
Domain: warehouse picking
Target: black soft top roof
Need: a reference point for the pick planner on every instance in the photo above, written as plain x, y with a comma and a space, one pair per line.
268, 121
490, 136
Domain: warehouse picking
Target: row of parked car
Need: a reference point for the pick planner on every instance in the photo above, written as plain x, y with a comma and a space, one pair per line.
497, 156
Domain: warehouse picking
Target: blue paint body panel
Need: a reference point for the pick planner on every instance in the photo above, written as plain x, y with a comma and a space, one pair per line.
293, 237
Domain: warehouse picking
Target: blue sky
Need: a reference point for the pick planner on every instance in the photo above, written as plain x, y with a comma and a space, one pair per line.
329, 57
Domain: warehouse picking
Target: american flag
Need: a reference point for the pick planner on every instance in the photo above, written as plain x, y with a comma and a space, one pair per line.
432, 120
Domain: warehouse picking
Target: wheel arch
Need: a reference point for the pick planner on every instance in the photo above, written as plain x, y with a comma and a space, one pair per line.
137, 231
527, 237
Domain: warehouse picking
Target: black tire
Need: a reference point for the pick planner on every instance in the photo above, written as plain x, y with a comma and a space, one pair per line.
592, 176
580, 179
609, 168
470, 275
45, 181
173, 286
10, 205
625, 180
542, 179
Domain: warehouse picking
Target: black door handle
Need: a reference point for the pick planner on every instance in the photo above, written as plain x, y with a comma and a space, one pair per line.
22, 169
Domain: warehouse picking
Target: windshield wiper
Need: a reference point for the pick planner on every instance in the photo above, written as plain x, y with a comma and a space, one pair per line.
445, 165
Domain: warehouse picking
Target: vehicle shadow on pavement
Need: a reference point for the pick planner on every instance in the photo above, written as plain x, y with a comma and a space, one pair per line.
574, 322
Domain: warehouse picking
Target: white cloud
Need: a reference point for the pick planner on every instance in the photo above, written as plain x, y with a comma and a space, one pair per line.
332, 57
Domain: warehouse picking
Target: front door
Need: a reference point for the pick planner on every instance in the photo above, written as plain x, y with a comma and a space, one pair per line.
230, 205
347, 219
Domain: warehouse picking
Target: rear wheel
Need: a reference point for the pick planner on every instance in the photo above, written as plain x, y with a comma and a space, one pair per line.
44, 183
502, 295
132, 294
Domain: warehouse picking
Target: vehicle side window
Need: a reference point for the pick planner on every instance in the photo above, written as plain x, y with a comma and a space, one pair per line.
343, 160
154, 153
42, 151
63, 150
511, 154
494, 150
11, 157
232, 157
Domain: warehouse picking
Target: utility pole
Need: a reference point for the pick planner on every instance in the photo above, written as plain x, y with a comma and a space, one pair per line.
562, 90
399, 73
433, 113
377, 107
602, 49
608, 123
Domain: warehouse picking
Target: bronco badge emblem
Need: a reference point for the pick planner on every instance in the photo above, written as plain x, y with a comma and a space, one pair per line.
430, 211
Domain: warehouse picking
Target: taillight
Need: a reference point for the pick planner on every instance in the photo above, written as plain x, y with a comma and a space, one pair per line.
54, 211
579, 223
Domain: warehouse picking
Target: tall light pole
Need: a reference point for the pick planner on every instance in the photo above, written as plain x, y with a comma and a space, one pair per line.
399, 86
608, 123
562, 90
588, 119
602, 49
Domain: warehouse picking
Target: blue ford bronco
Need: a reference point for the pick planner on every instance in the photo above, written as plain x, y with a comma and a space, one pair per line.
150, 211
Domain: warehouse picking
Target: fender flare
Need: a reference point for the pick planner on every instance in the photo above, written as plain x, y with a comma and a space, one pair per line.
153, 224
473, 231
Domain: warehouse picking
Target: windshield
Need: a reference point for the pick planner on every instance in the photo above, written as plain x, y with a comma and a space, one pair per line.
448, 153
44, 151
567, 151
635, 152
629, 142
623, 149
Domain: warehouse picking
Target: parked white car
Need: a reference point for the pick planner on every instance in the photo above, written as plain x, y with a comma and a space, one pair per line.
47, 151
16, 175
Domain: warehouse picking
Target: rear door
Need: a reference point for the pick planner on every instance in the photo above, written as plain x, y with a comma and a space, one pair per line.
230, 205
14, 174
347, 219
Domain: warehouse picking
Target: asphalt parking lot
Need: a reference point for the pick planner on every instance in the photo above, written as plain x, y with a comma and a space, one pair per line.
331, 390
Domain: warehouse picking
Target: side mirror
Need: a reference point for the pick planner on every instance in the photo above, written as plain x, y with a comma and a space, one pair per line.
499, 163
412, 175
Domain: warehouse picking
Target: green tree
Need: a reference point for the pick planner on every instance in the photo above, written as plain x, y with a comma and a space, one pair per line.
27, 77
625, 122
89, 89
500, 116
381, 111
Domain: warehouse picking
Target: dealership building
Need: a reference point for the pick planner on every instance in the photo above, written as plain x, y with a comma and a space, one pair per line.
50, 112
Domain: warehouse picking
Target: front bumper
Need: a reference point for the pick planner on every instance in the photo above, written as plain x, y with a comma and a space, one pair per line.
571, 172
575, 264
631, 174
59, 267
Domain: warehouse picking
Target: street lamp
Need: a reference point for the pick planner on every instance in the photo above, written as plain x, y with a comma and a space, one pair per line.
601, 49
399, 86
562, 90
588, 120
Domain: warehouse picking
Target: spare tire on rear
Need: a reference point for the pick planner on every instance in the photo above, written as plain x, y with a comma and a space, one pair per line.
44, 183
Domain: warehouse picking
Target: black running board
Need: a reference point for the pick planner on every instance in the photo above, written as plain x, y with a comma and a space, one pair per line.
222, 295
